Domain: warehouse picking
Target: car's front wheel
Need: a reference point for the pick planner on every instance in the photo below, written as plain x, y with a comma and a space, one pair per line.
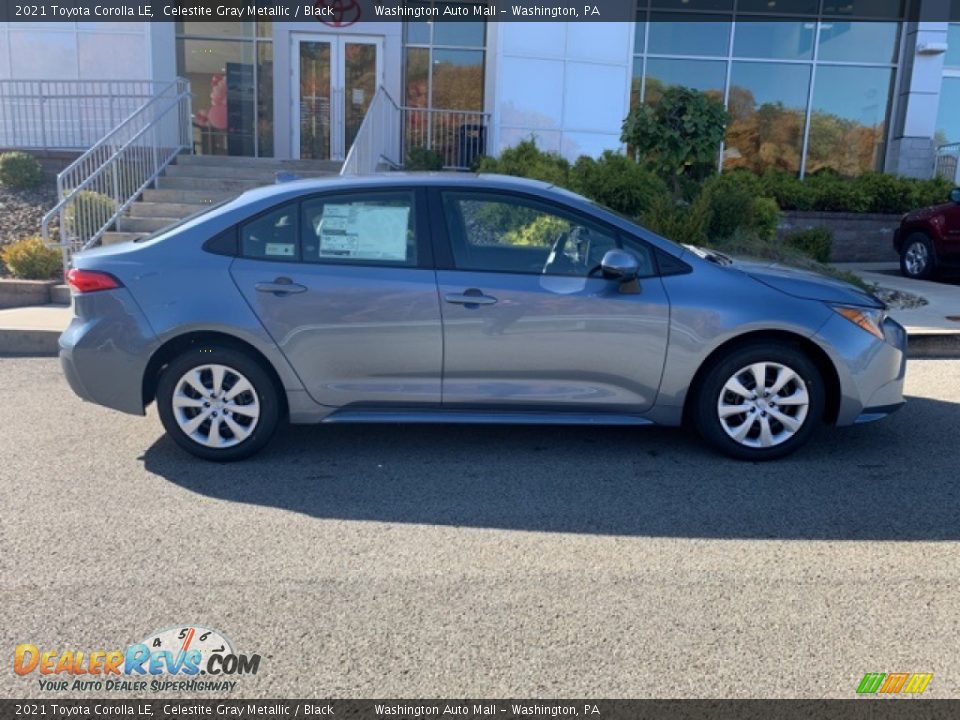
218, 403
760, 402
917, 259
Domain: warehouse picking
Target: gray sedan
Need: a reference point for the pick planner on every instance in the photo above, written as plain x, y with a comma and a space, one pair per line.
442, 298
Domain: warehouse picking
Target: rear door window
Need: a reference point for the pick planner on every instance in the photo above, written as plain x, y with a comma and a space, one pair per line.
360, 228
272, 236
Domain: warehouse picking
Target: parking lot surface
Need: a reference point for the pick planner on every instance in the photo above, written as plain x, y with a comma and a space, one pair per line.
459, 561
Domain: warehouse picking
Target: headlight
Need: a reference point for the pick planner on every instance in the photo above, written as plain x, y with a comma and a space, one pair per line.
868, 319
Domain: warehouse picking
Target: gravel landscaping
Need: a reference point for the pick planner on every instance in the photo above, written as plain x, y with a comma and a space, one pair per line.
898, 299
22, 210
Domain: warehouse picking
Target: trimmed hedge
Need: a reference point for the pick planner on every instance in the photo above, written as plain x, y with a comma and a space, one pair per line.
733, 211
871, 192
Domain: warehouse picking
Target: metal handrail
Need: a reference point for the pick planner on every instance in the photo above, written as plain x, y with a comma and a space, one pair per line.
457, 136
96, 188
66, 114
377, 143
948, 162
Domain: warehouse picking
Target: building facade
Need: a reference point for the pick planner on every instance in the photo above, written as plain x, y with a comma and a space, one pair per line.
852, 85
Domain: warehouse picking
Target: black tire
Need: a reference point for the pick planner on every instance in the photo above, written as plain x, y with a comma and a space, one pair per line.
705, 413
266, 392
921, 246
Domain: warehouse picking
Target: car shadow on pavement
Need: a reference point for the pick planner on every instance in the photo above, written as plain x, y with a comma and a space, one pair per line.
893, 480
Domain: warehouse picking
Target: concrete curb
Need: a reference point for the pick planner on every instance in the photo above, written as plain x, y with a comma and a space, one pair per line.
934, 346
36, 343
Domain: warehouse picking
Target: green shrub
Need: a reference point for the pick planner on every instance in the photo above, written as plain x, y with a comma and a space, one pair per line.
685, 223
886, 193
527, 160
29, 259
679, 134
765, 217
816, 243
788, 190
89, 212
617, 182
934, 191
736, 202
541, 232
20, 171
832, 193
423, 158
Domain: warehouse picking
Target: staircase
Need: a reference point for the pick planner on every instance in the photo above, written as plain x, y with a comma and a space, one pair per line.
194, 181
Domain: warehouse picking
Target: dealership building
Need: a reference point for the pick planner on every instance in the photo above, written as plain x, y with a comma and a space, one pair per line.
852, 85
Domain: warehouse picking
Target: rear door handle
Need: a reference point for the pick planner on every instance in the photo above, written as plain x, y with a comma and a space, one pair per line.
280, 286
473, 296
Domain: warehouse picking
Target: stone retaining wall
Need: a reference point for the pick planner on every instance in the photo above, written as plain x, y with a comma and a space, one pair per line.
857, 237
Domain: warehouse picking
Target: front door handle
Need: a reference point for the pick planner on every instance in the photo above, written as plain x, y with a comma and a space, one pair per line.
472, 297
281, 286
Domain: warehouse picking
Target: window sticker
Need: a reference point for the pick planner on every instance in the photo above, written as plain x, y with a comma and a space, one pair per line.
280, 250
364, 232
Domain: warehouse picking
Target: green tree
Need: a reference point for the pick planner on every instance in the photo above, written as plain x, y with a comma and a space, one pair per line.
679, 135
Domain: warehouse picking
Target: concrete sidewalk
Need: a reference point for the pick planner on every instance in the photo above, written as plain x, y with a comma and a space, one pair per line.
943, 298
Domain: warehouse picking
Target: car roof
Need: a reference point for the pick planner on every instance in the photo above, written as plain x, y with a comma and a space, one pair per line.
395, 179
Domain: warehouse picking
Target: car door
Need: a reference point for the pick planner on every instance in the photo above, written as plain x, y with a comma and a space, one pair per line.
344, 284
526, 323
949, 250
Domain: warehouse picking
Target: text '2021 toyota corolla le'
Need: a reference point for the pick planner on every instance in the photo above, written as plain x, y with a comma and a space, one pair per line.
439, 298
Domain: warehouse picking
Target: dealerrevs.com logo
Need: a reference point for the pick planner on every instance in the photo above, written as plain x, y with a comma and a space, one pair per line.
188, 658
888, 684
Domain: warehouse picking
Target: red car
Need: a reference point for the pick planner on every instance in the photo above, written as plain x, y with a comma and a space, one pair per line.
928, 240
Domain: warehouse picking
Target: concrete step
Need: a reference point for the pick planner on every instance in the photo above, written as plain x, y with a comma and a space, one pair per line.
60, 295
240, 172
168, 210
233, 185
144, 224
33, 330
260, 163
112, 237
191, 197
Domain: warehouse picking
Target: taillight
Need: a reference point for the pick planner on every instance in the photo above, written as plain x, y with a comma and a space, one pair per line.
88, 281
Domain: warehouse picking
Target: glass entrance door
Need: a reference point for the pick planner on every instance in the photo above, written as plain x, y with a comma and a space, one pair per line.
334, 80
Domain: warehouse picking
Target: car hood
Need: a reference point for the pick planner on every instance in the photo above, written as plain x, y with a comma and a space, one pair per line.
806, 284
925, 213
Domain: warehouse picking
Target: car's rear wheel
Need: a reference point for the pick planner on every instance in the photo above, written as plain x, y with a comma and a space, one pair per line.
916, 258
760, 402
218, 403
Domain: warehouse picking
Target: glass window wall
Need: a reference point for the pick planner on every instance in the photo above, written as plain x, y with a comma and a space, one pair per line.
808, 83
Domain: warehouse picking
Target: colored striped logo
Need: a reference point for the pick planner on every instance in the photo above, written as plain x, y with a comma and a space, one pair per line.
894, 683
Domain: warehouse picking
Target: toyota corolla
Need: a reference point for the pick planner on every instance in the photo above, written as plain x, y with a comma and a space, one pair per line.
469, 299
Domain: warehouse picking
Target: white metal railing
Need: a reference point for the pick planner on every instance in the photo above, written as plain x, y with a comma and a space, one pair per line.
377, 143
948, 162
100, 185
457, 136
66, 114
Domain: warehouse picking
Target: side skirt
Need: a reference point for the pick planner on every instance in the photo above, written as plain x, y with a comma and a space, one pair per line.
490, 417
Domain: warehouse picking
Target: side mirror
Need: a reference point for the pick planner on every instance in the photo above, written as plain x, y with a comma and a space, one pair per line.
955, 196
620, 265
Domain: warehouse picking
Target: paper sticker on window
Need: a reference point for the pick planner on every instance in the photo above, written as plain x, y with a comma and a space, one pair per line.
280, 250
364, 232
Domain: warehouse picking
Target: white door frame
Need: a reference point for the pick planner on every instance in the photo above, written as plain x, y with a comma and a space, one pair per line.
337, 43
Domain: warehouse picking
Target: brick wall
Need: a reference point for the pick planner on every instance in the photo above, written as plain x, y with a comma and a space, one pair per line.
857, 237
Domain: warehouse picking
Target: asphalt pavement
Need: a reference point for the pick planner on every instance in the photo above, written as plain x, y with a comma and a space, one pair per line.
458, 561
